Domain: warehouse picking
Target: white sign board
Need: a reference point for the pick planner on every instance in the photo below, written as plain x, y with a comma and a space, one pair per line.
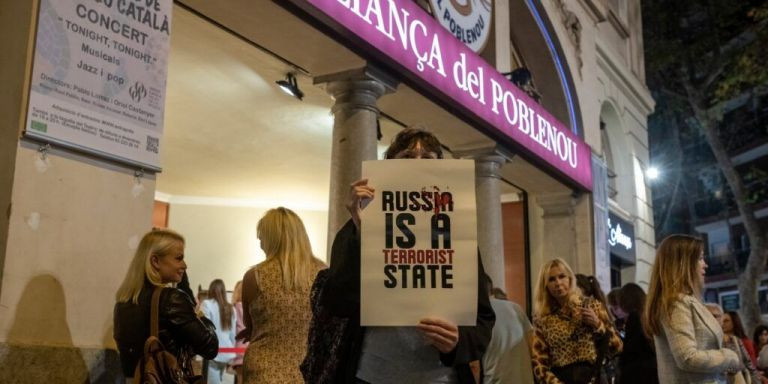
99, 73
419, 243
468, 20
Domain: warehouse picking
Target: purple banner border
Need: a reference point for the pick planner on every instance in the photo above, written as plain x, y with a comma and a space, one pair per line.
428, 54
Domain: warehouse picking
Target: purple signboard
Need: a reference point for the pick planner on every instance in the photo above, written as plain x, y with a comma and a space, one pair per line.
402, 32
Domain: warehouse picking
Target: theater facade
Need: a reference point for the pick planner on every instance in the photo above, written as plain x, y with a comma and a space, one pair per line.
547, 97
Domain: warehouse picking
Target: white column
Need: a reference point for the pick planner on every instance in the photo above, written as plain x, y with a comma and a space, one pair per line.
567, 230
559, 230
489, 220
488, 162
354, 133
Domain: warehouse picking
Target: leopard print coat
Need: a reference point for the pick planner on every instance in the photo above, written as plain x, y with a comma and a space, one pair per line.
560, 339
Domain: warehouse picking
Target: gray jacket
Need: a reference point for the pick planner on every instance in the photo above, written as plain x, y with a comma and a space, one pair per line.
690, 350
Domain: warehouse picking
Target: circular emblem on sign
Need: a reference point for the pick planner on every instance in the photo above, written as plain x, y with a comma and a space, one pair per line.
468, 20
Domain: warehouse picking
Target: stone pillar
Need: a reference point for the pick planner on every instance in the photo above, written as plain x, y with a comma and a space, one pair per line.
354, 133
489, 222
559, 232
488, 162
566, 231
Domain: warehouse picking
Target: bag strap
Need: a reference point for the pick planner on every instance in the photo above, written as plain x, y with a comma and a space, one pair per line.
154, 310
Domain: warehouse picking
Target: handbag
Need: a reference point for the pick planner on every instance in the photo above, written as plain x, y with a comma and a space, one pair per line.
157, 365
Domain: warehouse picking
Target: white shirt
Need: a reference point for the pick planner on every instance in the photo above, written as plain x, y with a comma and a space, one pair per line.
508, 357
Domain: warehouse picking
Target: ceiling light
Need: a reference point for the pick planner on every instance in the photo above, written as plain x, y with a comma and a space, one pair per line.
290, 87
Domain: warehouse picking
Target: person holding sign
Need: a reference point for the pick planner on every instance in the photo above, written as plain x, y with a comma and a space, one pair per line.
572, 333
433, 351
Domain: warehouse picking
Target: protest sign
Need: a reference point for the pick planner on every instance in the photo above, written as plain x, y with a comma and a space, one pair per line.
419, 243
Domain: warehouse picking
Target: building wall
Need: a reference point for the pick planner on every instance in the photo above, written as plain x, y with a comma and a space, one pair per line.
605, 59
72, 225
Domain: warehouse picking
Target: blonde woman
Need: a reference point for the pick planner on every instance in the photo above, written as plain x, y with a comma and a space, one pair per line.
159, 262
688, 339
572, 333
276, 300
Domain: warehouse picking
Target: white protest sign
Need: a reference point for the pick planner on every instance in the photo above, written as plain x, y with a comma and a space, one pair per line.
99, 75
419, 243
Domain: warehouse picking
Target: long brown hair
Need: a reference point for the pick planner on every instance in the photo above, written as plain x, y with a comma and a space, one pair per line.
218, 293
738, 326
674, 273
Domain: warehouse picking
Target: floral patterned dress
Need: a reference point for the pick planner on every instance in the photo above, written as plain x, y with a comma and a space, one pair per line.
279, 326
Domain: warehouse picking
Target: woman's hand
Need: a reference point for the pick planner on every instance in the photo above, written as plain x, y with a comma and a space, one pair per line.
442, 334
360, 194
589, 317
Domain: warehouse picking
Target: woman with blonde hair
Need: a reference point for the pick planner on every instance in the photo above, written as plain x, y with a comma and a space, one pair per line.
688, 339
157, 265
572, 333
276, 300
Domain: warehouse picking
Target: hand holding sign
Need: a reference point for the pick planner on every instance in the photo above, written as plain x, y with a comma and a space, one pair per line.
360, 194
442, 334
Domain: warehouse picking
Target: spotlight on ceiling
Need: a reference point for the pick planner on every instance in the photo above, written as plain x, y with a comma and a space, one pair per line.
290, 87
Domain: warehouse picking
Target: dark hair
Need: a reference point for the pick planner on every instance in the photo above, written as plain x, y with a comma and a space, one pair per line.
756, 336
591, 287
632, 299
217, 292
409, 137
488, 284
499, 293
613, 297
738, 327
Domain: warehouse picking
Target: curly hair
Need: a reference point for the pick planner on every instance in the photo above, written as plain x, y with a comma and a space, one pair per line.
409, 137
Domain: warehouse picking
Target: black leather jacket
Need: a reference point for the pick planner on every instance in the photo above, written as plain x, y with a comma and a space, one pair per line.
179, 327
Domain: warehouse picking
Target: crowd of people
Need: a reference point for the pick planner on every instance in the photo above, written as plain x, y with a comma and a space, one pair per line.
299, 321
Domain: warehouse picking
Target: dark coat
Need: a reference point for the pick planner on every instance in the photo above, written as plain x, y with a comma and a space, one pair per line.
180, 330
637, 363
341, 297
